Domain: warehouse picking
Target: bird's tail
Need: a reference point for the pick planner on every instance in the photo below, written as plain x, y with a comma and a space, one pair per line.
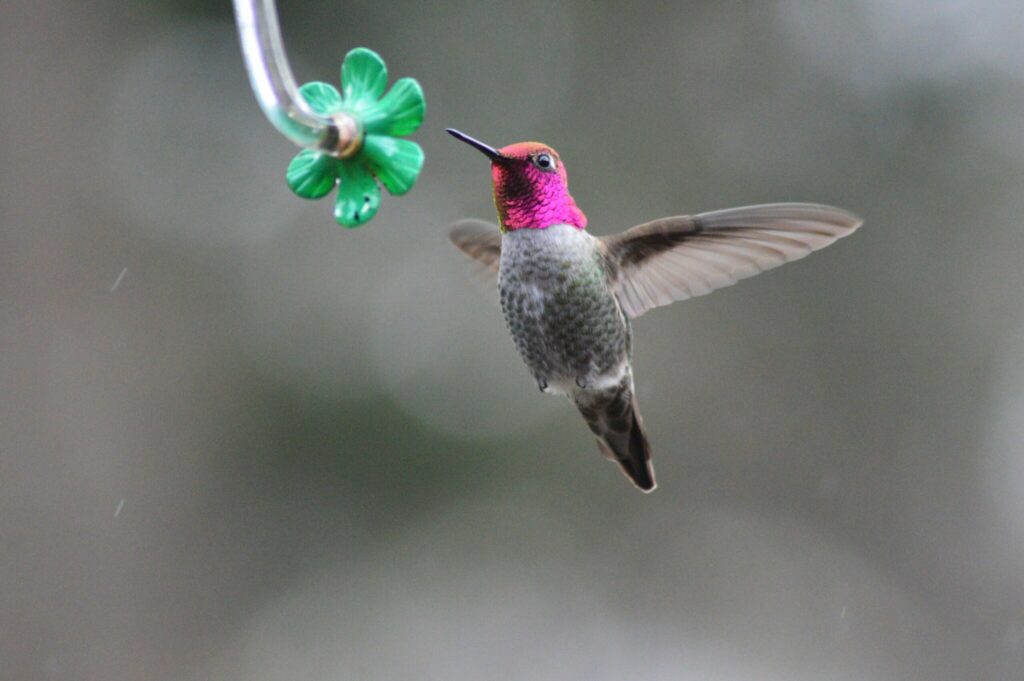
613, 417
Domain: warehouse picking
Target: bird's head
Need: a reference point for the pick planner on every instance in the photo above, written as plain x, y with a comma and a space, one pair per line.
531, 189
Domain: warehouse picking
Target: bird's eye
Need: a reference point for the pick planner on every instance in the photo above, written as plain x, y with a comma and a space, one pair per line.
544, 161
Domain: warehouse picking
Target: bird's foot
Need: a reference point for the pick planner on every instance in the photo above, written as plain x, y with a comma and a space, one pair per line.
542, 384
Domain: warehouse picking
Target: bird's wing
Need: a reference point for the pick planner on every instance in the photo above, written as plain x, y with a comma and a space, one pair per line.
680, 257
481, 241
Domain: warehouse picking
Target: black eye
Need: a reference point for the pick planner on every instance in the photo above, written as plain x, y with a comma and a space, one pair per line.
544, 161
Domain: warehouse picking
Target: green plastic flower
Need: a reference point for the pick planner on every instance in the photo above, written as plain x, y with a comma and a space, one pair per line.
382, 157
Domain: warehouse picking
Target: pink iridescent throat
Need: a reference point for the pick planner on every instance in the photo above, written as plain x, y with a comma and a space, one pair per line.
530, 198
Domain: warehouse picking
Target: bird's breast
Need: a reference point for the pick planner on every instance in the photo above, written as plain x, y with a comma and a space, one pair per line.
558, 306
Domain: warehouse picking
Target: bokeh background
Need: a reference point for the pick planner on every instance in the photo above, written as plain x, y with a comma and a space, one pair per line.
238, 442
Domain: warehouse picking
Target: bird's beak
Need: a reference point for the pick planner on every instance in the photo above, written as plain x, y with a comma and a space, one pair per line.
488, 151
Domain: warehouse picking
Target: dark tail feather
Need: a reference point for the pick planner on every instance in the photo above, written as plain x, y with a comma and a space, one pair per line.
613, 417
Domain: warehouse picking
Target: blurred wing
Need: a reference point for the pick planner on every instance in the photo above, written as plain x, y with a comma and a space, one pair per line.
480, 240
681, 257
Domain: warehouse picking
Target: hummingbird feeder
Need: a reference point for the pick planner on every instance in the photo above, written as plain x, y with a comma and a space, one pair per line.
351, 139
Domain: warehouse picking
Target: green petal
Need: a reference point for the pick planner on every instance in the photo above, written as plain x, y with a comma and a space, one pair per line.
400, 112
312, 175
363, 77
395, 162
323, 98
358, 195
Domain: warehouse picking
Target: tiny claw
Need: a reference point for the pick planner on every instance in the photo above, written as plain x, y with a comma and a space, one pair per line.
581, 382
542, 384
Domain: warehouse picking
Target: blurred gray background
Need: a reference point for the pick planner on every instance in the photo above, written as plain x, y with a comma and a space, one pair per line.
281, 450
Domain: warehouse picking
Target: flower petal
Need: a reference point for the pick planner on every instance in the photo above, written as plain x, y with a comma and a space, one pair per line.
323, 98
363, 77
399, 112
312, 175
395, 162
358, 195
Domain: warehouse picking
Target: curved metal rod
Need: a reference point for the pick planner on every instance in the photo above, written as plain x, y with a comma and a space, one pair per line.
272, 82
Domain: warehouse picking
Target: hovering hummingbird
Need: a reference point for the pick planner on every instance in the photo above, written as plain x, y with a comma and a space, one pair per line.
568, 297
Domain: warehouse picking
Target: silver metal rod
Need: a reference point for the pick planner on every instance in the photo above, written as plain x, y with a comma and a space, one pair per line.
274, 85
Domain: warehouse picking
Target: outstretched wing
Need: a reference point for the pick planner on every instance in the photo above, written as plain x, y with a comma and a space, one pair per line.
676, 258
481, 241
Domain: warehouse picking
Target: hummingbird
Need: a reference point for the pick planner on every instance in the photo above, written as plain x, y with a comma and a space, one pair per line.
569, 297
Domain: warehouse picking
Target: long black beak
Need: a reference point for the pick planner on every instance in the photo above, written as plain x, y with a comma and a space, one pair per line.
488, 151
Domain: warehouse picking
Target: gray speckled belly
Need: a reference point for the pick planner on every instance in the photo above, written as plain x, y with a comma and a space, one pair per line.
564, 320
